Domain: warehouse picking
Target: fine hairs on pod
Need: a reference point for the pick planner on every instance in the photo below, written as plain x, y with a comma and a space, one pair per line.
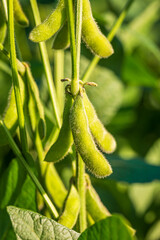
84, 142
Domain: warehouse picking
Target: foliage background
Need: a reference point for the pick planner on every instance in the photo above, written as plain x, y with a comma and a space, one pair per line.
127, 100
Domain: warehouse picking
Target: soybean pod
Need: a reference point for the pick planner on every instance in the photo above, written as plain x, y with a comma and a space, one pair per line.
91, 34
3, 26
96, 209
94, 205
70, 212
85, 145
102, 137
10, 117
65, 140
62, 38
35, 104
54, 185
51, 25
19, 15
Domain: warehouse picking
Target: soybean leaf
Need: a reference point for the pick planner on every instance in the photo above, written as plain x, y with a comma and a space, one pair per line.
11, 182
33, 226
133, 171
135, 73
109, 228
17, 189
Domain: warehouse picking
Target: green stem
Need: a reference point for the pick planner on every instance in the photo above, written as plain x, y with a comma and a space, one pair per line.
46, 64
81, 185
29, 170
78, 37
15, 77
74, 83
58, 75
20, 66
111, 35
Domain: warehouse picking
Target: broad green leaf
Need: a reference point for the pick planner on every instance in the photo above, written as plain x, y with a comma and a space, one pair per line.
33, 226
133, 171
107, 229
17, 189
135, 73
11, 182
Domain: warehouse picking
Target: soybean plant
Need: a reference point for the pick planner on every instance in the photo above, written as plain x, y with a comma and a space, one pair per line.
81, 136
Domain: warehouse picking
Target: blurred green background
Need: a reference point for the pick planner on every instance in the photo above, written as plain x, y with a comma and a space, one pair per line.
127, 100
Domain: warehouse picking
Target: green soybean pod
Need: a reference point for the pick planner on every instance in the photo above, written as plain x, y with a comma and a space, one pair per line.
10, 117
91, 34
35, 102
19, 15
3, 26
71, 208
102, 137
51, 25
94, 205
54, 185
65, 140
85, 145
62, 38
96, 209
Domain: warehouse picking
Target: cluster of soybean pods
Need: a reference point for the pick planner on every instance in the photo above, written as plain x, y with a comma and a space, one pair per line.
80, 122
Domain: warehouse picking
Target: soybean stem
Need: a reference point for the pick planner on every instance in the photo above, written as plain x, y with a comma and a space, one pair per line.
110, 37
78, 37
70, 12
81, 185
58, 75
46, 64
15, 77
29, 170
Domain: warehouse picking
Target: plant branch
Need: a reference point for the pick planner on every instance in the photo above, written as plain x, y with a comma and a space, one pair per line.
111, 35
81, 185
46, 64
19, 155
74, 83
15, 78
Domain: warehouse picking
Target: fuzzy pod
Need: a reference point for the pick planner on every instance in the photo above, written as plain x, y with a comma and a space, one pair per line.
3, 25
71, 208
92, 35
96, 209
65, 140
19, 15
54, 185
85, 145
51, 25
10, 117
102, 137
35, 105
62, 38
94, 205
